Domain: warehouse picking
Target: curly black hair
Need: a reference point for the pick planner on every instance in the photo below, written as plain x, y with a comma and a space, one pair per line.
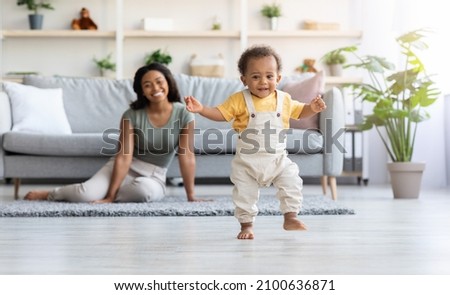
257, 51
142, 101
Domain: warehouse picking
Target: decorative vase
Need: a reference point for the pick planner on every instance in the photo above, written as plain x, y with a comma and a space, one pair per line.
273, 23
107, 74
336, 70
35, 21
406, 179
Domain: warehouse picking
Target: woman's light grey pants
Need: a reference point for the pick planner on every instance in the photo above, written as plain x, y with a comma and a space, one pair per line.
144, 182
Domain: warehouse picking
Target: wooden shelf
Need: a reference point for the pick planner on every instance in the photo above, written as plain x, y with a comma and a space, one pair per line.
334, 80
353, 127
237, 34
57, 34
306, 34
178, 34
181, 34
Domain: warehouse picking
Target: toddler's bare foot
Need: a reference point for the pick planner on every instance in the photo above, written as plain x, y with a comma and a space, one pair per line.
291, 222
36, 196
246, 231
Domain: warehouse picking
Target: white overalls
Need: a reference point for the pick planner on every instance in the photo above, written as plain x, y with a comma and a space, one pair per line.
261, 160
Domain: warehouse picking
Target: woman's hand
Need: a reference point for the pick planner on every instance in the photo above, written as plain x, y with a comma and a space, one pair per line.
105, 200
194, 199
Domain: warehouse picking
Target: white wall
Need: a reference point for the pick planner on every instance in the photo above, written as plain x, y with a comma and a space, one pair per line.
447, 132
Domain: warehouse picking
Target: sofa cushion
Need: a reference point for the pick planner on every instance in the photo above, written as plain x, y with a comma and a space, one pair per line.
301, 141
37, 110
304, 91
207, 142
88, 144
92, 104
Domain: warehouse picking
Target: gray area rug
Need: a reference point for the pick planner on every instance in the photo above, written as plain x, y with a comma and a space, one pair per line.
169, 206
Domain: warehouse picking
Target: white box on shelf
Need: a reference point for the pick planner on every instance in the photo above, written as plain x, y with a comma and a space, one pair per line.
207, 67
157, 24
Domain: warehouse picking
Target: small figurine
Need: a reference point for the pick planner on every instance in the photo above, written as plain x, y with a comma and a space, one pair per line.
84, 22
307, 66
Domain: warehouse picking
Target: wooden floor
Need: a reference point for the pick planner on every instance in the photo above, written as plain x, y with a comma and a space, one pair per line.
385, 236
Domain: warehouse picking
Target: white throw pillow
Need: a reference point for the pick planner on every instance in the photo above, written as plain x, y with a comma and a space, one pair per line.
37, 109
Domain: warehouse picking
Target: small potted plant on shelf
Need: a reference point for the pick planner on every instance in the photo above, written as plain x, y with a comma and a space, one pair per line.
272, 12
217, 24
105, 65
334, 60
160, 56
399, 99
35, 19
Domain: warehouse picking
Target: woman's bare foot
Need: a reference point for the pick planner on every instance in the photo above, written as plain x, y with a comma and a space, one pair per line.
246, 231
291, 222
36, 196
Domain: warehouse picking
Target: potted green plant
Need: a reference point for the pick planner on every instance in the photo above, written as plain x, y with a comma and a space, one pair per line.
399, 99
105, 65
160, 56
35, 19
272, 12
217, 24
334, 60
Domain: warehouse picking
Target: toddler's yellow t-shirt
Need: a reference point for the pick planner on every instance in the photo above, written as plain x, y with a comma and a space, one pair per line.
235, 108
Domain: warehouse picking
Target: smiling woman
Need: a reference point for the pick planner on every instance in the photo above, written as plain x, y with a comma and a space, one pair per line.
137, 173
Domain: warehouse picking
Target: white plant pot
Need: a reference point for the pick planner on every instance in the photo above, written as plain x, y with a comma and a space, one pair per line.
108, 74
273, 23
336, 70
406, 179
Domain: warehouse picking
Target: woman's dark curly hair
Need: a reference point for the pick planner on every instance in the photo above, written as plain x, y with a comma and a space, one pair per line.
257, 51
142, 101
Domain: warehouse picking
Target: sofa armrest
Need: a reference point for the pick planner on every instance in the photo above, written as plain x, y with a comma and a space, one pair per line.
5, 113
5, 125
332, 125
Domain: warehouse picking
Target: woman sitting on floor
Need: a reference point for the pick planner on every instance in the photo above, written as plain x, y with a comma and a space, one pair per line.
154, 128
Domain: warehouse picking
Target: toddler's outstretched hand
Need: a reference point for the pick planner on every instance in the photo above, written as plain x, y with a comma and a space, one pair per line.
192, 104
317, 104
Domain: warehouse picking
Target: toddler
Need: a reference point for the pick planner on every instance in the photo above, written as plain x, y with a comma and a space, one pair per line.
260, 115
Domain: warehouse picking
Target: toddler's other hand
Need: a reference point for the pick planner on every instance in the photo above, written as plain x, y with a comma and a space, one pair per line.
317, 104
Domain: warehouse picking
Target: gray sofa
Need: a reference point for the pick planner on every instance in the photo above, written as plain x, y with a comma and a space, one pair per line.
94, 106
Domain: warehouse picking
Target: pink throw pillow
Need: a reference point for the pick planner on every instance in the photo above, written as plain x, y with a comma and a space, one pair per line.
305, 91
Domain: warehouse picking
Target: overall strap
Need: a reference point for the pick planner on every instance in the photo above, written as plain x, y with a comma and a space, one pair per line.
280, 99
249, 102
